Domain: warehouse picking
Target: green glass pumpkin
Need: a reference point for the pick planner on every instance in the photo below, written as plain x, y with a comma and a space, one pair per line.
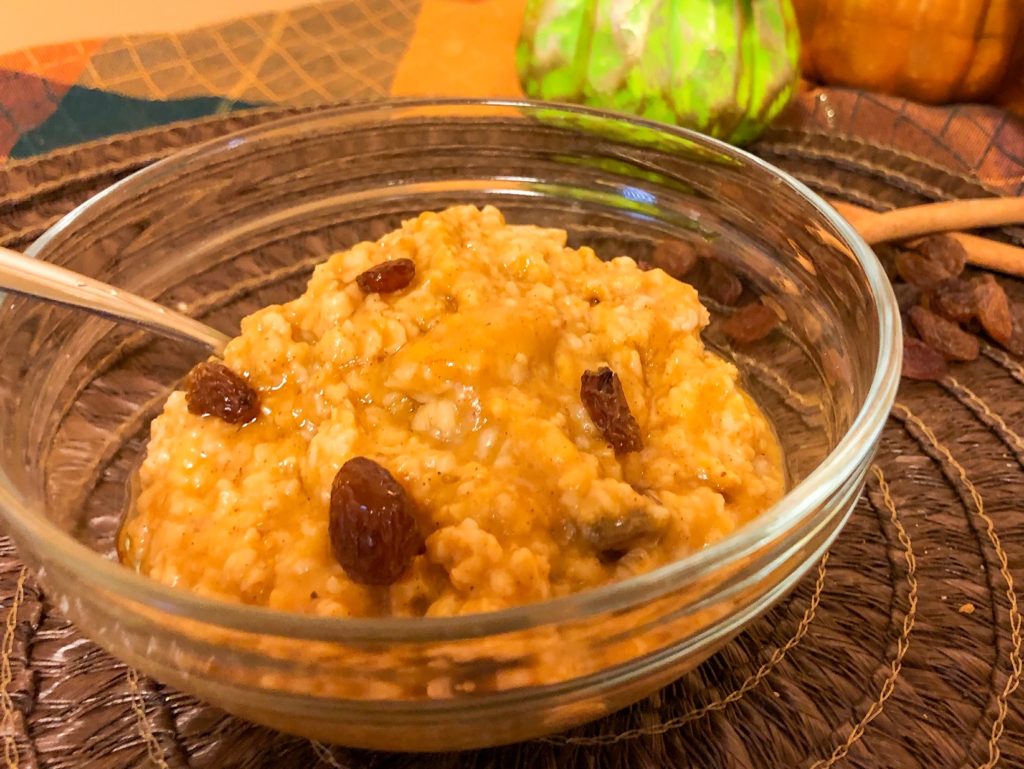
724, 67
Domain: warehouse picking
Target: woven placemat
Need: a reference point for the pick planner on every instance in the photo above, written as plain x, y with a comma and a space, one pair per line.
901, 649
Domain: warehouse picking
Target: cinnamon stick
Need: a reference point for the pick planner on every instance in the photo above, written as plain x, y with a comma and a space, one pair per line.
915, 221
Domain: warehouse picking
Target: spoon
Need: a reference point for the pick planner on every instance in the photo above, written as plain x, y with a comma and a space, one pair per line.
23, 275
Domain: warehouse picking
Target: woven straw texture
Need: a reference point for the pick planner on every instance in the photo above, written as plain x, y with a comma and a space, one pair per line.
902, 649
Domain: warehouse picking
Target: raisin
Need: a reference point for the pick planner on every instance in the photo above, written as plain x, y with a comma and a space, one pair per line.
673, 256
387, 277
993, 309
944, 252
886, 253
615, 535
906, 295
722, 284
953, 299
750, 323
602, 396
1015, 343
921, 361
919, 271
212, 389
944, 335
372, 525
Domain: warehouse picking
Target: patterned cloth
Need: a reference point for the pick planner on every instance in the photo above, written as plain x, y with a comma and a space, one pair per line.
352, 50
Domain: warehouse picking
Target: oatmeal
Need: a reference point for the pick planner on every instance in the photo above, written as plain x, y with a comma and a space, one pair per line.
529, 421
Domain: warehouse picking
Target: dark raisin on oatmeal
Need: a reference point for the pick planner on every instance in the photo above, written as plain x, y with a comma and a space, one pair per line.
387, 277
612, 536
603, 397
212, 389
372, 526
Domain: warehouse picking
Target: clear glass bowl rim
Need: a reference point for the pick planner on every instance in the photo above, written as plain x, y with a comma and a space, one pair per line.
801, 501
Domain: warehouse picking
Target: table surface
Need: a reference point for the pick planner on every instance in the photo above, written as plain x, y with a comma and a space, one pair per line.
876, 661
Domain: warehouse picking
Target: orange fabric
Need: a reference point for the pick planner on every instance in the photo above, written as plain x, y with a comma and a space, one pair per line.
58, 63
462, 48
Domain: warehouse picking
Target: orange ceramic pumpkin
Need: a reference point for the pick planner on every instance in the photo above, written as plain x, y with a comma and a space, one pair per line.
930, 50
1011, 93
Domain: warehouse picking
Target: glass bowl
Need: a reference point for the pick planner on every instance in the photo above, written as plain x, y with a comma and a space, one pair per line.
222, 229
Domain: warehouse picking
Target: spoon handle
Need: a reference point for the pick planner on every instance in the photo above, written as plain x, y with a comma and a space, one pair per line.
49, 282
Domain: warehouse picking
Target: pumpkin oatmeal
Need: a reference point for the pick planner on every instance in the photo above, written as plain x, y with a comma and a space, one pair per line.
461, 417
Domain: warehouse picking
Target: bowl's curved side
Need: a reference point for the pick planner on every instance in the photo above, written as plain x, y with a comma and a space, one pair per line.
236, 224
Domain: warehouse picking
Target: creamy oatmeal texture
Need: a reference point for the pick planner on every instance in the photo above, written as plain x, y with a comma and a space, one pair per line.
466, 387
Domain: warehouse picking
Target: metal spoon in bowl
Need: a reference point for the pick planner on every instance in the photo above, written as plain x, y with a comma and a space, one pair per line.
43, 280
